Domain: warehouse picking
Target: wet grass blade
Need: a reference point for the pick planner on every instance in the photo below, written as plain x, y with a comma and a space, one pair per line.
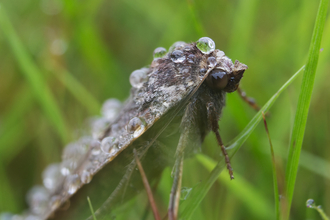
198, 195
91, 208
303, 104
34, 77
256, 202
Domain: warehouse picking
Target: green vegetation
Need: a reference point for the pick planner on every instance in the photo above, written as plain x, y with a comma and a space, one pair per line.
61, 59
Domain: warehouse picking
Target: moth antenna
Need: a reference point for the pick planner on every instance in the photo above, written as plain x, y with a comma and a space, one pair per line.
250, 101
213, 117
147, 187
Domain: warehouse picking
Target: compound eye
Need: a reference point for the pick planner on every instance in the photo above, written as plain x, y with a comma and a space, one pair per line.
217, 79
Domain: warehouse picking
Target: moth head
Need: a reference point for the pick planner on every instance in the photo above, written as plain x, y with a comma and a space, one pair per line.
226, 79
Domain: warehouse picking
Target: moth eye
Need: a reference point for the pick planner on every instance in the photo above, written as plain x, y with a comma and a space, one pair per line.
217, 79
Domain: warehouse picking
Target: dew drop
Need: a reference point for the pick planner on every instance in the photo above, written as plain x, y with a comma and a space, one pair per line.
177, 45
86, 176
177, 56
109, 145
67, 167
98, 127
138, 77
52, 177
159, 52
136, 126
309, 203
32, 217
6, 216
38, 198
72, 183
319, 207
111, 108
206, 45
95, 147
191, 58
212, 62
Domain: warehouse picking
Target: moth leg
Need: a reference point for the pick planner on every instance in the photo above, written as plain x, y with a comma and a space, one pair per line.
173, 206
147, 187
176, 189
213, 118
247, 99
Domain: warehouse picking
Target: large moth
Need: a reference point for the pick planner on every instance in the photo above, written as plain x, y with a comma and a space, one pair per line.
174, 104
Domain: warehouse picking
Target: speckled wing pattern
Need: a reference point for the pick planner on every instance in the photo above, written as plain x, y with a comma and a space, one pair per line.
167, 83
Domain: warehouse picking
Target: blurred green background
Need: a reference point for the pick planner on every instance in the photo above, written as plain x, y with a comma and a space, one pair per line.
59, 60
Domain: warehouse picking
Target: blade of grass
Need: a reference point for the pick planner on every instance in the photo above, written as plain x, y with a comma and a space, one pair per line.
235, 144
249, 195
276, 194
303, 104
91, 208
77, 90
34, 77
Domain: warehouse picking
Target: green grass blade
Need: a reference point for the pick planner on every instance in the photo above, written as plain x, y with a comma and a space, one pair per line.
78, 91
34, 77
91, 208
303, 104
256, 203
275, 183
191, 205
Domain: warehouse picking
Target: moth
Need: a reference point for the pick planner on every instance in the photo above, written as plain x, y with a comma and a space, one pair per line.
174, 103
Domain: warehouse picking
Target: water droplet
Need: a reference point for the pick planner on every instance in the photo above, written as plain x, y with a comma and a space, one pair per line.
52, 177
136, 126
58, 47
32, 217
177, 45
6, 216
95, 147
138, 77
219, 54
191, 58
203, 70
211, 62
310, 203
72, 183
55, 202
99, 126
185, 191
111, 108
205, 45
109, 145
177, 56
37, 199
68, 167
319, 207
159, 52
86, 176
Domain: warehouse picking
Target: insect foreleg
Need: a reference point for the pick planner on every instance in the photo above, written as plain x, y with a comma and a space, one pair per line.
213, 118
